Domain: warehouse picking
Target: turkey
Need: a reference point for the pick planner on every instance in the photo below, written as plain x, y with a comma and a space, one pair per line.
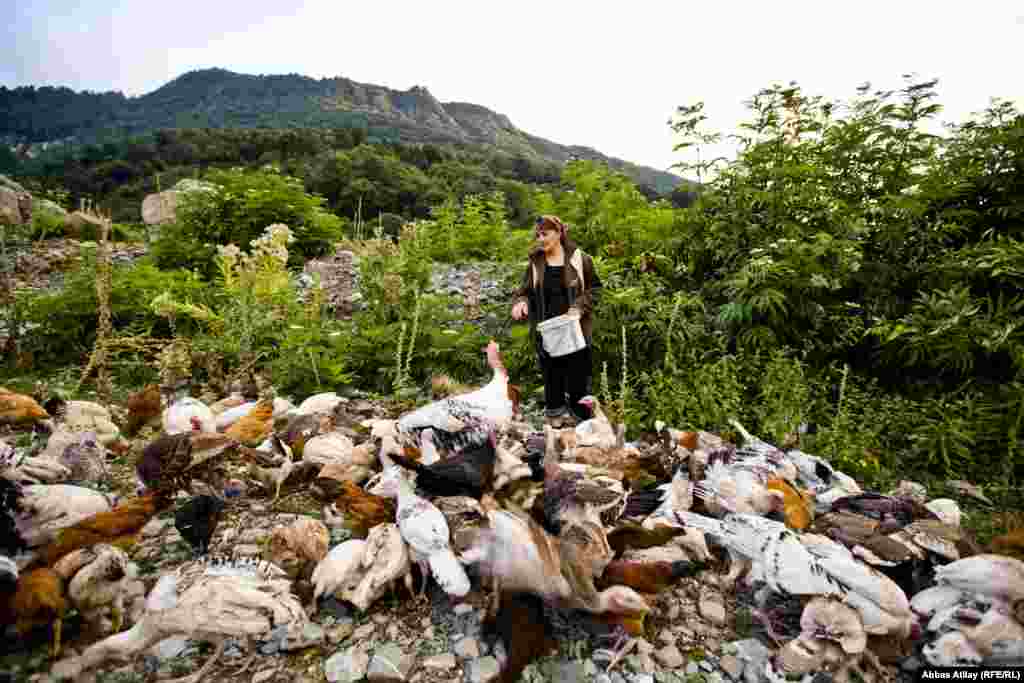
778, 558
464, 420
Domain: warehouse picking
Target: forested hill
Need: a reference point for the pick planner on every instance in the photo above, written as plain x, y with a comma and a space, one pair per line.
218, 98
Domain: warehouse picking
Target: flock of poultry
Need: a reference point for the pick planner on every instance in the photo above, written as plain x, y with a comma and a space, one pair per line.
573, 519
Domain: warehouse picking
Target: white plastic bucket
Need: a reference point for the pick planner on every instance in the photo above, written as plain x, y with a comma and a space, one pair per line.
562, 335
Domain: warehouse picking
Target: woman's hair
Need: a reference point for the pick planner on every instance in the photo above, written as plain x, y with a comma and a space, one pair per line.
547, 222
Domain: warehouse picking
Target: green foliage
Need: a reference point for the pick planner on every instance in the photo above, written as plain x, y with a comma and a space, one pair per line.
784, 398
64, 324
46, 225
474, 229
242, 206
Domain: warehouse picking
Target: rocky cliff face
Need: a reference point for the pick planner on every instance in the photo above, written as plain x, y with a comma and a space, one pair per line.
220, 98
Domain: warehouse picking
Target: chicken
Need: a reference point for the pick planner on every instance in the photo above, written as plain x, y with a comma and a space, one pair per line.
275, 477
790, 567
465, 518
568, 492
164, 464
357, 470
119, 526
630, 535
464, 420
18, 409
255, 426
1010, 544
736, 489
39, 600
298, 547
82, 453
893, 513
468, 473
385, 561
340, 570
798, 506
98, 582
597, 431
188, 414
831, 620
197, 520
647, 578
523, 628
361, 511
231, 401
523, 557
46, 509
636, 465
203, 601
425, 529
228, 416
322, 404
302, 428
84, 416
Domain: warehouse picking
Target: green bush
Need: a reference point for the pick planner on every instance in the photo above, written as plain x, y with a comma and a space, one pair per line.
245, 203
64, 323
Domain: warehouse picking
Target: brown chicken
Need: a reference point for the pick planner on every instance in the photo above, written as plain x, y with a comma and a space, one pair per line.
798, 507
647, 578
144, 407
254, 427
1011, 544
171, 462
119, 526
363, 511
627, 535
19, 408
39, 601
523, 628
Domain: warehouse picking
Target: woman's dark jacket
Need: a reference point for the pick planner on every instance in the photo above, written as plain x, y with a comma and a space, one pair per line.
578, 277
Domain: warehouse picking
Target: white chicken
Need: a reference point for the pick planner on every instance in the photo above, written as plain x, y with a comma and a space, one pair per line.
48, 508
341, 570
738, 489
597, 431
464, 420
425, 529
79, 416
319, 403
100, 576
188, 414
231, 415
385, 561
204, 601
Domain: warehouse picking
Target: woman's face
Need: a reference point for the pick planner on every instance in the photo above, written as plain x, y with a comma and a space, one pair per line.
548, 238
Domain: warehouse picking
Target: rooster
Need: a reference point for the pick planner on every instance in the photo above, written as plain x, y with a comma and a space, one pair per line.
465, 420
197, 520
469, 473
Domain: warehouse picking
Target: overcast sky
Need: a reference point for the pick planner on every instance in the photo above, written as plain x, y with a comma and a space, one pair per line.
608, 76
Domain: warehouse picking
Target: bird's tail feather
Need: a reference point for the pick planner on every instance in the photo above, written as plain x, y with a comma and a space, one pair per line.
448, 573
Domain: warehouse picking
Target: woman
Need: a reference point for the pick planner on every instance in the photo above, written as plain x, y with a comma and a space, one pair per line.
560, 277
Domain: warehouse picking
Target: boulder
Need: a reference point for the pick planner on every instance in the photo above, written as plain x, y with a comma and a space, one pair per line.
162, 207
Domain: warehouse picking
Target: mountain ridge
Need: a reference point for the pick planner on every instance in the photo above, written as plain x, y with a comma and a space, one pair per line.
220, 98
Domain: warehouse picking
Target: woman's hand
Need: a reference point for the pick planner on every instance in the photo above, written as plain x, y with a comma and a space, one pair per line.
520, 310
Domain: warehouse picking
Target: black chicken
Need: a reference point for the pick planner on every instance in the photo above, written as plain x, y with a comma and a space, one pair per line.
470, 473
197, 519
